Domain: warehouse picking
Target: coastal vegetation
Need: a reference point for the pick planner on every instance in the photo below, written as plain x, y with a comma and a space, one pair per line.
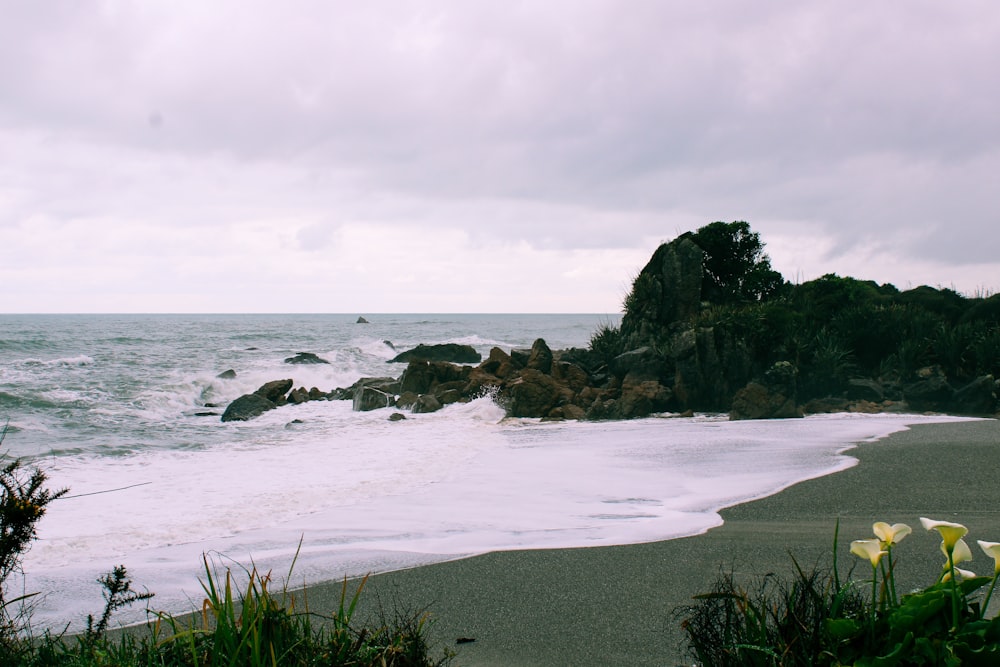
819, 619
716, 318
246, 625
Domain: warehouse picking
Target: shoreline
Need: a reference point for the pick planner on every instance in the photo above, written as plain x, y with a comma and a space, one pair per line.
617, 605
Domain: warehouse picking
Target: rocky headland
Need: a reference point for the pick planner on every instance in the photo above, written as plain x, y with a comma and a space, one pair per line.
708, 326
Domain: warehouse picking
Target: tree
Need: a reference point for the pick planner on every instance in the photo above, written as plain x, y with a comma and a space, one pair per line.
736, 269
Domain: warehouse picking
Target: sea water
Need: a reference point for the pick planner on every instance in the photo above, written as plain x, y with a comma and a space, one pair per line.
113, 408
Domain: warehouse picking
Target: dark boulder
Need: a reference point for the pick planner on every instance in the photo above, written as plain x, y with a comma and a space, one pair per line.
979, 397
771, 397
540, 358
642, 362
426, 403
453, 352
641, 397
370, 398
247, 407
864, 389
930, 392
533, 394
275, 390
305, 358
397, 417
362, 320
298, 396
227, 375
499, 364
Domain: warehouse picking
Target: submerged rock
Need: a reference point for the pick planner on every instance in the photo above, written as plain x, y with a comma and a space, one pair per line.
306, 358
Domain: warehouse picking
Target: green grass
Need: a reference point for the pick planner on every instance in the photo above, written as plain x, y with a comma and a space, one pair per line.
244, 625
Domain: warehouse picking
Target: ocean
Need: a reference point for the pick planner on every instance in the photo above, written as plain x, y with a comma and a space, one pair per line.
113, 407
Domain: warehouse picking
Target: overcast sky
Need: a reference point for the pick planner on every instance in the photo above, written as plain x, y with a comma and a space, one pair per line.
463, 156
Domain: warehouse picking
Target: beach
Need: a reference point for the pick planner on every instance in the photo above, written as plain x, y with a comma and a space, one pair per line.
619, 605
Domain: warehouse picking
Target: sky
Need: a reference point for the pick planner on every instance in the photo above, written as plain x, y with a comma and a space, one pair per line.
396, 156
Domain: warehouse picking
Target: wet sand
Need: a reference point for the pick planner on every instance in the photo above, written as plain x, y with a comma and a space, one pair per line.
619, 605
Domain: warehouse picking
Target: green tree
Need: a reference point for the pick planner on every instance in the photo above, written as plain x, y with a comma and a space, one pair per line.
736, 269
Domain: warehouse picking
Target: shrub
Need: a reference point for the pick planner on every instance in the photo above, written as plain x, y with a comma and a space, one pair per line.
818, 620
23, 502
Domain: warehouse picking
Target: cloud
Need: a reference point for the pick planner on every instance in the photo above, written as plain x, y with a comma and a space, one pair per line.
552, 131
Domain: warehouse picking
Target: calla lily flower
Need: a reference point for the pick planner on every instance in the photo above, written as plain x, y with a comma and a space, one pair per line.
951, 533
870, 549
992, 549
893, 534
962, 574
960, 552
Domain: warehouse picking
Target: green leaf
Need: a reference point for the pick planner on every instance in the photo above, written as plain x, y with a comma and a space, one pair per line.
840, 629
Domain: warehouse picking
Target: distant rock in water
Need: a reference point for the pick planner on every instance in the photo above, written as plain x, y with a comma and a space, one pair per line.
362, 320
227, 375
452, 352
306, 358
388, 343
247, 407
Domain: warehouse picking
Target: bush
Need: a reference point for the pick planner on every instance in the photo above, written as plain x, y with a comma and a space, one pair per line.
23, 502
819, 620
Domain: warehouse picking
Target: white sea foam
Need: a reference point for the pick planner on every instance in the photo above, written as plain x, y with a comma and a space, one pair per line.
366, 494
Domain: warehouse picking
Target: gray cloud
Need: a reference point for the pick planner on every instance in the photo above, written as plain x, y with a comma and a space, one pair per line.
564, 126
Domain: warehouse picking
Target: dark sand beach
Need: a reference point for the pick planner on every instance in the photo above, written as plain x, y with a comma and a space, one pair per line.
617, 605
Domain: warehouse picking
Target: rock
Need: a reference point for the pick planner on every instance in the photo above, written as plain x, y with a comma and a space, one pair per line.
315, 394
388, 344
421, 377
533, 394
520, 356
426, 403
930, 392
448, 396
643, 362
206, 414
453, 352
275, 390
247, 407
863, 389
227, 375
298, 396
826, 405
666, 291
406, 400
499, 364
397, 417
773, 397
369, 398
361, 320
641, 398
570, 375
979, 397
305, 358
755, 401
540, 358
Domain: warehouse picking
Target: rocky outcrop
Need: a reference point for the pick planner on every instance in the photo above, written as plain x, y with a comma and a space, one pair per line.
979, 397
450, 352
771, 397
306, 358
247, 407
667, 291
275, 390
369, 398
